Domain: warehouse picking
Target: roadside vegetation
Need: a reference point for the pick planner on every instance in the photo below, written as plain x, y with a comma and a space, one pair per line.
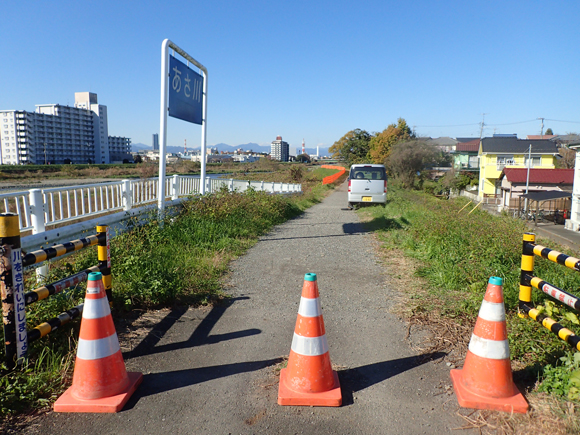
28, 173
182, 262
450, 254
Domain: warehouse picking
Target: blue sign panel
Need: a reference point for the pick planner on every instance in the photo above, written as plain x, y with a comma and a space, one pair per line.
185, 92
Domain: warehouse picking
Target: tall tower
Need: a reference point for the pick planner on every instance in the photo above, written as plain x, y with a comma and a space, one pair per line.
184, 146
303, 147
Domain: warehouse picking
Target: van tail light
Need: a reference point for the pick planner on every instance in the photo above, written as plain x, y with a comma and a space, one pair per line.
385, 186
349, 184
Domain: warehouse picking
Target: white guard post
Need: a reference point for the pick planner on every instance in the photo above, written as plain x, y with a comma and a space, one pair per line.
165, 46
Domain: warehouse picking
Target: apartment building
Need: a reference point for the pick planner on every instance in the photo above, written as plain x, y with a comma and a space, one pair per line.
280, 150
60, 134
119, 149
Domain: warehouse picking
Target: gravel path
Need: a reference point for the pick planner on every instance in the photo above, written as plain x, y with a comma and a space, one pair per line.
213, 371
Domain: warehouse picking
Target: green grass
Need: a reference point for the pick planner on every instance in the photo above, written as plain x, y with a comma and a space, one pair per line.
457, 252
182, 261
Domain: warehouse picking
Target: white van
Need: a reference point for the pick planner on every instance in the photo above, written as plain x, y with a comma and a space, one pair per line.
367, 184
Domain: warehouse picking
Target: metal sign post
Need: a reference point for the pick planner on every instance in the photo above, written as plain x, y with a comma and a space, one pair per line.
183, 96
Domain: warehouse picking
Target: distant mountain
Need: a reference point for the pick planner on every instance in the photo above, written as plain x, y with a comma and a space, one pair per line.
142, 147
230, 148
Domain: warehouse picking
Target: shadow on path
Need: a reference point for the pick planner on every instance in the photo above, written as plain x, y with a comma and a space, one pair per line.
156, 383
200, 335
359, 378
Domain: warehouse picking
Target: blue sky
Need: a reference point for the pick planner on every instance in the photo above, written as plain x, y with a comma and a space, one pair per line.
303, 69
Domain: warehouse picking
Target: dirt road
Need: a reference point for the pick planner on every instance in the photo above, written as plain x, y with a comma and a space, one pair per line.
214, 371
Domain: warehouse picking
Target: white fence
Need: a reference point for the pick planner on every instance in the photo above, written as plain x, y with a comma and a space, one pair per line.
39, 209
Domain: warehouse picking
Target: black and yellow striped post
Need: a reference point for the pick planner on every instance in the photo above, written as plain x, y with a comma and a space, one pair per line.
104, 257
527, 271
12, 290
551, 325
47, 327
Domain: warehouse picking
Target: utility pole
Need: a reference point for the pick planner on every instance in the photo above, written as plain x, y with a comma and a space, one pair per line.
528, 177
482, 124
542, 130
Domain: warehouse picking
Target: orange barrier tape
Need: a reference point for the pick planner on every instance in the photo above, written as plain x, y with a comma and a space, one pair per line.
332, 178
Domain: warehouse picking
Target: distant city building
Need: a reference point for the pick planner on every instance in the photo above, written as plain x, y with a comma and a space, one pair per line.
243, 158
280, 150
60, 134
119, 148
155, 142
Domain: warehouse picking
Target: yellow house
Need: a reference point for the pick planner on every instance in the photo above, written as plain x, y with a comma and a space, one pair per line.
496, 153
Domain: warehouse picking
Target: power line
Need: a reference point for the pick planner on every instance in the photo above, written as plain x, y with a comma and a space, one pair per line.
486, 124
514, 123
444, 126
494, 125
557, 120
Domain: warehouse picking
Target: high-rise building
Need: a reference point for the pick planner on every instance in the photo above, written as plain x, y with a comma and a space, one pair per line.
119, 148
155, 142
60, 134
279, 150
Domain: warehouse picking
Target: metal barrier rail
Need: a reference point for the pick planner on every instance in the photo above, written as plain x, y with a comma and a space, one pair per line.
15, 300
39, 208
528, 280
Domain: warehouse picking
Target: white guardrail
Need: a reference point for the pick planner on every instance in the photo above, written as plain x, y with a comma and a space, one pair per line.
38, 209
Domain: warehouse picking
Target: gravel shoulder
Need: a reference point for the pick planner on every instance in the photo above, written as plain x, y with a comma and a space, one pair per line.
214, 370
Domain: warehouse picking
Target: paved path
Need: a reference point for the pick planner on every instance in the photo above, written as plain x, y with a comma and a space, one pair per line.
213, 371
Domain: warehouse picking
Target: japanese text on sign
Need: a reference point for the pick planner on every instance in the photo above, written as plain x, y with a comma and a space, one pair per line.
185, 92
19, 303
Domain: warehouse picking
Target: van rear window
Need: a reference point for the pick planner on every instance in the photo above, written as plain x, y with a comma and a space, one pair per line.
368, 173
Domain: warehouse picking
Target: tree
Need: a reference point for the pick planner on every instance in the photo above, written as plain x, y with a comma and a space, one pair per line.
381, 144
138, 159
549, 131
568, 159
409, 158
303, 158
353, 147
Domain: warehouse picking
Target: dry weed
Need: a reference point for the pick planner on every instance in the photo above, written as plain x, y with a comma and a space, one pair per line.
547, 415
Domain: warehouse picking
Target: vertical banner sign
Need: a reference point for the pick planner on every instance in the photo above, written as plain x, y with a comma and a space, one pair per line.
108, 249
19, 304
185, 92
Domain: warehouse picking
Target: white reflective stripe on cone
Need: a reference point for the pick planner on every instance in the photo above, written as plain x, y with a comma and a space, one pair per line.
96, 308
309, 307
309, 346
492, 311
97, 349
492, 349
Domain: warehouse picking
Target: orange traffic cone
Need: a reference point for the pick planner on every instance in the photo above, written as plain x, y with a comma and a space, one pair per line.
309, 379
100, 381
485, 382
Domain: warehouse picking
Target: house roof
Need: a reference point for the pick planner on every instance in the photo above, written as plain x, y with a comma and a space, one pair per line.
471, 146
566, 138
466, 139
539, 176
514, 145
442, 141
537, 136
546, 195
